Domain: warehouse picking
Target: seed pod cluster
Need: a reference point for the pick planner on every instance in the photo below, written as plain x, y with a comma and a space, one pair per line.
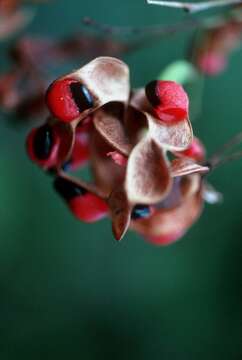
125, 136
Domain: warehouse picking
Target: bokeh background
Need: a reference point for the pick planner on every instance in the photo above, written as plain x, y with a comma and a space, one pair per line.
67, 289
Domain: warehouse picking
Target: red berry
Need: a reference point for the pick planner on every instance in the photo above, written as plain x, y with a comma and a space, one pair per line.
84, 205
67, 99
169, 100
43, 145
196, 150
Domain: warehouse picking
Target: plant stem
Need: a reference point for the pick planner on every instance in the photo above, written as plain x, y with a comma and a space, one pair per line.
158, 30
220, 157
194, 7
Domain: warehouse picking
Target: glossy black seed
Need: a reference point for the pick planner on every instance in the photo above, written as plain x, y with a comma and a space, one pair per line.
43, 142
140, 212
67, 189
81, 96
66, 166
151, 93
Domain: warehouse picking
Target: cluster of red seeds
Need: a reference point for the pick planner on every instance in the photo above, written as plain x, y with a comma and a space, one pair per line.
65, 142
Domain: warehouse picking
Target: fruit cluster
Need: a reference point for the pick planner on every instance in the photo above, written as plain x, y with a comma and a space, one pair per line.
126, 136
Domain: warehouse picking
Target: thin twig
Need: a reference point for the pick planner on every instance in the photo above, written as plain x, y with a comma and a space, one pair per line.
220, 157
194, 7
235, 156
142, 30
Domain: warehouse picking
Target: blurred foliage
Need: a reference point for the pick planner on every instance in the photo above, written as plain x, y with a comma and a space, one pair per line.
68, 290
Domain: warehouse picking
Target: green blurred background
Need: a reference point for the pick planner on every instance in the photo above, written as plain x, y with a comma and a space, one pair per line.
68, 290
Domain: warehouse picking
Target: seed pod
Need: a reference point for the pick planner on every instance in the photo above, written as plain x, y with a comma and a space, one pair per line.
80, 151
75, 96
195, 151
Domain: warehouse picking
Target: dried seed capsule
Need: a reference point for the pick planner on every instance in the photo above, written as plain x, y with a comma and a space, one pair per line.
81, 151
68, 98
169, 100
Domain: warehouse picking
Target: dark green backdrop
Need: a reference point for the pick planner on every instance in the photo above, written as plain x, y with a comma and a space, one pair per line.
68, 290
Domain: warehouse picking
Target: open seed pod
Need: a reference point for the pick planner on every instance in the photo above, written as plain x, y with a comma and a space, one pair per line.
182, 188
148, 177
80, 151
107, 174
76, 95
109, 122
169, 224
174, 136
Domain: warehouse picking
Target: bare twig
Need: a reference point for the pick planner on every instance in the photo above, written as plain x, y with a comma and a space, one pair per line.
194, 7
220, 157
157, 30
143, 36
235, 156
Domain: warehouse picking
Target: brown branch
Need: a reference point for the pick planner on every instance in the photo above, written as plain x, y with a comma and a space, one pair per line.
194, 7
158, 30
220, 157
235, 156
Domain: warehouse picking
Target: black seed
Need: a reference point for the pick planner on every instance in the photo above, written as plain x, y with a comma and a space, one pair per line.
67, 189
140, 212
51, 171
81, 96
151, 93
43, 142
66, 165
